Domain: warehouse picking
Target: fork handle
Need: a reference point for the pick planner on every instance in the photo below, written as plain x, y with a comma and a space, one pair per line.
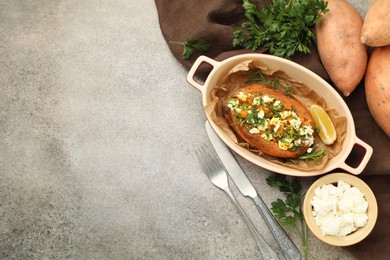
290, 251
265, 249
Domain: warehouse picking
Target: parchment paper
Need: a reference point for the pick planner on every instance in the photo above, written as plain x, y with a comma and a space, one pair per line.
238, 77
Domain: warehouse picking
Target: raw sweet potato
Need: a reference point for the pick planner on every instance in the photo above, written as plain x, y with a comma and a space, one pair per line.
376, 30
338, 40
377, 87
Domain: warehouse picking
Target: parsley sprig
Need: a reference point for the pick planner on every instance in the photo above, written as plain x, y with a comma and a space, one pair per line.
192, 45
284, 27
315, 156
258, 77
289, 211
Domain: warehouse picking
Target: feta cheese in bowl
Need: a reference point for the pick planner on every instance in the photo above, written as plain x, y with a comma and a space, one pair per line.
340, 209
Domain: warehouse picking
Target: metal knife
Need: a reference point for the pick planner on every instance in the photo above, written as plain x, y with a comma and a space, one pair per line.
289, 249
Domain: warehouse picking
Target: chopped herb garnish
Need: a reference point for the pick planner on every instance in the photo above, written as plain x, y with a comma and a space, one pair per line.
258, 77
309, 156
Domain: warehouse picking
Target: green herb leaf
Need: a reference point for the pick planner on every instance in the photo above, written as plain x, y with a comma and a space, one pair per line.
258, 77
315, 156
280, 181
283, 26
187, 52
288, 212
191, 45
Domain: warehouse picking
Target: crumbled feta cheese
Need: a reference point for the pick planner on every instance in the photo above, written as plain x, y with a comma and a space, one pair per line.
261, 114
308, 130
267, 99
254, 130
256, 101
276, 128
242, 96
266, 136
293, 114
285, 144
274, 121
339, 210
232, 103
308, 141
284, 114
296, 122
263, 126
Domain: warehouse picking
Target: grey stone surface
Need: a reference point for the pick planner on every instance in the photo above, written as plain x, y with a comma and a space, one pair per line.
97, 131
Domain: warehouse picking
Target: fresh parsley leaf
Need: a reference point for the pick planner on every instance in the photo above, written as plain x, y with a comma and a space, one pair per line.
191, 45
285, 186
289, 212
258, 77
315, 156
200, 45
283, 26
187, 52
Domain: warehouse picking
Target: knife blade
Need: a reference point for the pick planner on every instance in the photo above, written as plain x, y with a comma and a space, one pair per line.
289, 249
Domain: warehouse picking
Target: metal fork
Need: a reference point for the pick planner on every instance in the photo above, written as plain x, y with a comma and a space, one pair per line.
215, 171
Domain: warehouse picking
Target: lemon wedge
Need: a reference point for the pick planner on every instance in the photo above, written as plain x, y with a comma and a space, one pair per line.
327, 131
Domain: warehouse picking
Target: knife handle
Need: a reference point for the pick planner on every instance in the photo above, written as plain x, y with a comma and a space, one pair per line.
265, 249
290, 251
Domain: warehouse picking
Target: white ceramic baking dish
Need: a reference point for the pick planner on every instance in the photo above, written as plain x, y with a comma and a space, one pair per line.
301, 74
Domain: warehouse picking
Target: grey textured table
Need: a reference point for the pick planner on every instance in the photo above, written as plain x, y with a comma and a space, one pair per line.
97, 131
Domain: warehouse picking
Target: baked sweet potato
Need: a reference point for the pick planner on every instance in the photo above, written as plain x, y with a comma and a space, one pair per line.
377, 87
376, 30
338, 40
269, 120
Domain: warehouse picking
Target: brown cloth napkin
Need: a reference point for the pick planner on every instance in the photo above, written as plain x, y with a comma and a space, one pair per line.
213, 20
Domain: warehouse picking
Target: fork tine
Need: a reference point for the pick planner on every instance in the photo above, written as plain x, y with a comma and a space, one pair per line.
206, 157
202, 160
209, 159
206, 165
212, 157
212, 166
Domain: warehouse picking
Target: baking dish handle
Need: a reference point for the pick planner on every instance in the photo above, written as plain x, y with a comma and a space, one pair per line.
194, 68
363, 163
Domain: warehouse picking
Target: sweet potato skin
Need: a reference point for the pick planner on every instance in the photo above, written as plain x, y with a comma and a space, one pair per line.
338, 40
376, 31
268, 147
377, 87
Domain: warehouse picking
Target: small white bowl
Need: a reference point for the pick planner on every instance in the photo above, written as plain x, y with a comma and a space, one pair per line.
359, 234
